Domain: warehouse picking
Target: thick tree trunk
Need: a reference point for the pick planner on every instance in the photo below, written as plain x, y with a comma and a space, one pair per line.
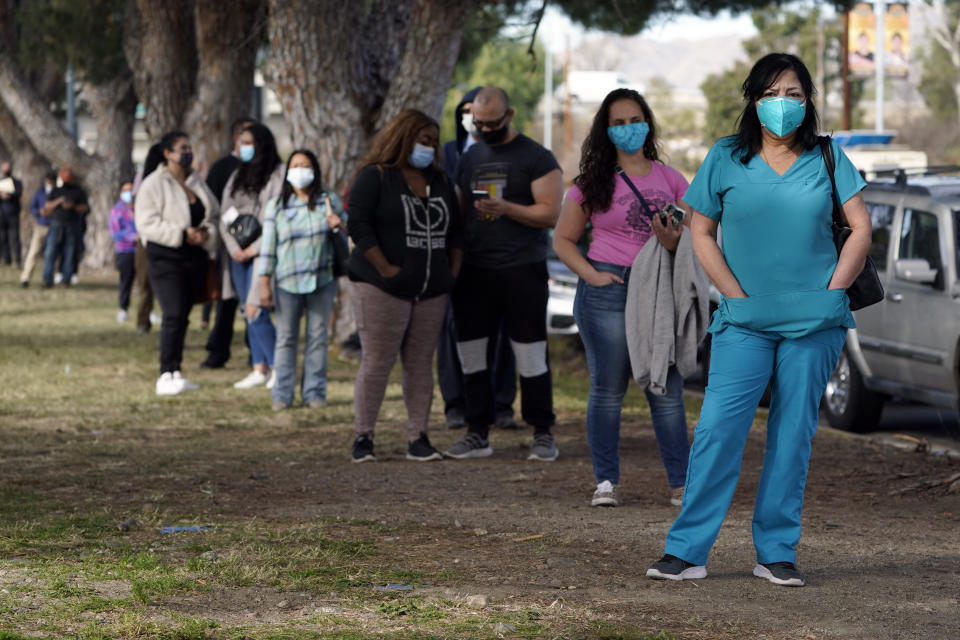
161, 48
228, 36
342, 70
28, 165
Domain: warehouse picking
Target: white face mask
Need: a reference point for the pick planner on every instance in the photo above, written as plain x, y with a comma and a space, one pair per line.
47, 187
127, 196
59, 182
466, 120
300, 177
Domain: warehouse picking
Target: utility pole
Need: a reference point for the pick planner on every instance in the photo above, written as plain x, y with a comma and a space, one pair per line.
845, 69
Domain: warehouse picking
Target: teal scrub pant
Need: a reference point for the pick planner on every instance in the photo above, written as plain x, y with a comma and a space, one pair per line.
742, 361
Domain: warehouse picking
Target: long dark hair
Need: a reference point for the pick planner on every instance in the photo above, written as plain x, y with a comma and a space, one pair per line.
599, 156
153, 160
394, 144
314, 191
253, 176
764, 73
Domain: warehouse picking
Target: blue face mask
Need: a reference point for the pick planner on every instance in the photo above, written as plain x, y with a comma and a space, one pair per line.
422, 156
781, 115
246, 152
629, 138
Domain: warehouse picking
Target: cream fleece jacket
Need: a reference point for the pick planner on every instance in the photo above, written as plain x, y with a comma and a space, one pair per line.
162, 211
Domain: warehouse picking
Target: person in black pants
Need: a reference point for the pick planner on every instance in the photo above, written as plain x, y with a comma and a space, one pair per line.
177, 215
11, 192
221, 335
511, 191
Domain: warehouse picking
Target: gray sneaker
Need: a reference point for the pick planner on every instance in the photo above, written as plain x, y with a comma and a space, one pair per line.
471, 445
543, 448
605, 495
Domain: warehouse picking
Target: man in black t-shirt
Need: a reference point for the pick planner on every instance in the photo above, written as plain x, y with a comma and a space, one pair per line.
67, 207
511, 189
218, 342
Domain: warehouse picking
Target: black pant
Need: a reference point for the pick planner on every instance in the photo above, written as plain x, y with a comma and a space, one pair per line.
126, 265
177, 279
516, 299
503, 374
221, 336
10, 238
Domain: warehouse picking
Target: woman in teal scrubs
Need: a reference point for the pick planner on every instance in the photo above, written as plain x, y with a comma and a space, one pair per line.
782, 319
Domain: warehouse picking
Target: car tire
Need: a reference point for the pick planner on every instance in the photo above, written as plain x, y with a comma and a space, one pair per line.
847, 404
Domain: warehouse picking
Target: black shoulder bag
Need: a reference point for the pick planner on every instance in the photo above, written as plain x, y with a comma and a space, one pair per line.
866, 289
340, 249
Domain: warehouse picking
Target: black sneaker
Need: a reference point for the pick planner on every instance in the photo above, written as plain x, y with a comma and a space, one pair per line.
421, 450
782, 573
363, 449
673, 568
454, 419
471, 445
506, 421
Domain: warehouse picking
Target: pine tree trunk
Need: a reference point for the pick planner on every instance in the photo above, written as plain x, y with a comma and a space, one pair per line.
228, 35
388, 56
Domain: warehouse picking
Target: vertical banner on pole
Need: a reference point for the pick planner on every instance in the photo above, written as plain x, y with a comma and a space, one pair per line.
862, 40
897, 40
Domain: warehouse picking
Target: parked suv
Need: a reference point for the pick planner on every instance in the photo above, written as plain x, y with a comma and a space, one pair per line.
908, 345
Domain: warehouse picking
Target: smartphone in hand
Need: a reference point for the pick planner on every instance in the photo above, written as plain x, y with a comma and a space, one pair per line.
480, 194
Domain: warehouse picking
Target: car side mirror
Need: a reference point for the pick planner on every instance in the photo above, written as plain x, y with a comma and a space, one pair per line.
915, 270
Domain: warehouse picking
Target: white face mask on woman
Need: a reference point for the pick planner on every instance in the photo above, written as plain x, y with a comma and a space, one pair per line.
300, 177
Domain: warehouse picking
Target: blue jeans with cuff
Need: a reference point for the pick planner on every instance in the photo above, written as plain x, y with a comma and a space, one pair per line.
316, 306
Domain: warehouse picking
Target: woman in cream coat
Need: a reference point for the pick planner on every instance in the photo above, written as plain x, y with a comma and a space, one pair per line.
176, 217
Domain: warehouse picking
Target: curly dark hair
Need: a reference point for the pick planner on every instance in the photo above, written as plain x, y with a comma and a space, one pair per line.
253, 176
598, 157
749, 136
314, 191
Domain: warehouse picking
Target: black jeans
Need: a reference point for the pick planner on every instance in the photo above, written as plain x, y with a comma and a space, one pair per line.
126, 265
515, 298
10, 238
177, 279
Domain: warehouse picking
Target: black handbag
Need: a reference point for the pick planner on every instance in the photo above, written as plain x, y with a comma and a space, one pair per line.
866, 289
340, 249
245, 230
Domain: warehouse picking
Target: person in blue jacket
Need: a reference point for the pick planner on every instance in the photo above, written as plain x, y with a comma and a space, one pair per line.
782, 320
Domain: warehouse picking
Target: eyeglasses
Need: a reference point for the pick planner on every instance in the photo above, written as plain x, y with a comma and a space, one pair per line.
489, 124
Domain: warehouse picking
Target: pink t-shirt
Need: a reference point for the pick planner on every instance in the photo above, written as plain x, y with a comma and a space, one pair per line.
621, 231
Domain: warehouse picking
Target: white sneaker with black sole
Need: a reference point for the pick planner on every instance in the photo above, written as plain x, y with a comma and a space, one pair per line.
673, 568
784, 574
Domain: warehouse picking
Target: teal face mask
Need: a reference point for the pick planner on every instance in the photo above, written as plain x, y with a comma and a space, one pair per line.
629, 138
780, 114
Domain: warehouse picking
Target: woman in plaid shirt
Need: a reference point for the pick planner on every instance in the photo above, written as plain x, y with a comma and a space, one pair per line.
295, 251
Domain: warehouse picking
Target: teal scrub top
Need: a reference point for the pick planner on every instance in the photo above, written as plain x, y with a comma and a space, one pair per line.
776, 238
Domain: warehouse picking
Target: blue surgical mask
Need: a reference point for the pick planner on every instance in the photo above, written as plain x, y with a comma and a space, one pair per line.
422, 156
629, 138
127, 196
781, 115
246, 152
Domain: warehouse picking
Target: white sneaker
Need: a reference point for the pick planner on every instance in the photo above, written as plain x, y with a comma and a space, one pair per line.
121, 316
155, 318
74, 279
254, 379
605, 495
57, 278
186, 384
676, 497
168, 386
272, 380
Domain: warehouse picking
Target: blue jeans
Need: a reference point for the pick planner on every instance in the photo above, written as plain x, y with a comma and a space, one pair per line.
61, 241
290, 307
742, 361
599, 312
260, 331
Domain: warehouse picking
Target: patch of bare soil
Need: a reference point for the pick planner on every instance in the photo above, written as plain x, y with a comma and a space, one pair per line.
881, 543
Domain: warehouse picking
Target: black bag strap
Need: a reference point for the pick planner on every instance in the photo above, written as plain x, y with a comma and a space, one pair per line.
826, 148
636, 192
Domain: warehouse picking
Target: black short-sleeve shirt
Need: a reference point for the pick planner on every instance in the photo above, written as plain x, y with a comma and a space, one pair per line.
505, 171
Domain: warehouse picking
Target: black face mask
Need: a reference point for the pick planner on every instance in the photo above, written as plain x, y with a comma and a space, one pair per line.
496, 136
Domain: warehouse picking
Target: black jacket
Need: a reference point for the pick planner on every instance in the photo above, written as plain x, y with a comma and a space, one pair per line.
385, 212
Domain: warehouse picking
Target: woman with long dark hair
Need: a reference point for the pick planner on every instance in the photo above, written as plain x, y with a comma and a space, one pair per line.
297, 252
257, 180
405, 222
783, 317
623, 136
176, 216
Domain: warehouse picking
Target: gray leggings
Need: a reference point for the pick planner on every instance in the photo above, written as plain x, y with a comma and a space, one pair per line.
389, 326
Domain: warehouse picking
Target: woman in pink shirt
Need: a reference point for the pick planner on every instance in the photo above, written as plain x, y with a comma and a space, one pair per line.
623, 209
